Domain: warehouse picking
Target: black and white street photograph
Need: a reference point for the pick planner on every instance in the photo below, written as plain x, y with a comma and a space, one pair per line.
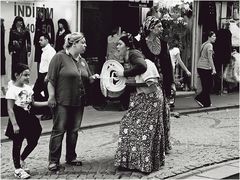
120, 89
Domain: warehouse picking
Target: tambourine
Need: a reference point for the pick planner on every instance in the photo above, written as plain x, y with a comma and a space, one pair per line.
111, 85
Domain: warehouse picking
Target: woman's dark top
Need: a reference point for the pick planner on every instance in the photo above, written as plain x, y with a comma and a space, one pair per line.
19, 44
42, 27
162, 62
137, 64
60, 40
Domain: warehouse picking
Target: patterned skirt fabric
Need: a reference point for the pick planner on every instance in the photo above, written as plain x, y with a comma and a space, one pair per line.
141, 137
166, 124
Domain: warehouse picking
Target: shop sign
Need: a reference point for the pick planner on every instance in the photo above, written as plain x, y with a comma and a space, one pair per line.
31, 11
141, 3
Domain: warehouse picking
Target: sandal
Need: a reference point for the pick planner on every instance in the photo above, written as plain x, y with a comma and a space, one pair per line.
75, 162
53, 166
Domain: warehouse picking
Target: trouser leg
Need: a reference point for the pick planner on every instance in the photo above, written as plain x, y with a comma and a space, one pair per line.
73, 126
17, 144
60, 118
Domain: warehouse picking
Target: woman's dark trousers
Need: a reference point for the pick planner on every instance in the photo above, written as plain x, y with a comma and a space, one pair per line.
206, 81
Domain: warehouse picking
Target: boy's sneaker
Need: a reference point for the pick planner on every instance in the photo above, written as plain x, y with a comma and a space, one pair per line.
21, 174
24, 166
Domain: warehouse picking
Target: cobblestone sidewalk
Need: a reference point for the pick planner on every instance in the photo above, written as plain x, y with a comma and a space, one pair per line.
198, 140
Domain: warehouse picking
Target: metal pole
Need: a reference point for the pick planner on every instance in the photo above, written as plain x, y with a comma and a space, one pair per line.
221, 79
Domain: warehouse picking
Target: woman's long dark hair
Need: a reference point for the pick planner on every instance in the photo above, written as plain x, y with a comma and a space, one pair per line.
18, 18
65, 25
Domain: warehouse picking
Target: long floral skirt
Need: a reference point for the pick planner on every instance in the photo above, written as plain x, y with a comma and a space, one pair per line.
166, 124
141, 137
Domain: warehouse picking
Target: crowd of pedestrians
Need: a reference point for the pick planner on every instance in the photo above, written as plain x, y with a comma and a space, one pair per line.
64, 77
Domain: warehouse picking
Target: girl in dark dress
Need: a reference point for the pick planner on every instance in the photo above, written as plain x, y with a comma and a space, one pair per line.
22, 122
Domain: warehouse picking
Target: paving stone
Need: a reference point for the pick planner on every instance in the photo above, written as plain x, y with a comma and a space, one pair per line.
220, 173
198, 140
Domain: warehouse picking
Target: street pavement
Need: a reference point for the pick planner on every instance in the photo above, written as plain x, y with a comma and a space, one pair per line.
111, 114
198, 140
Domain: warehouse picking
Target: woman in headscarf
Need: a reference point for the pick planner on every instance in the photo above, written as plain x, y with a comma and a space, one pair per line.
141, 135
156, 49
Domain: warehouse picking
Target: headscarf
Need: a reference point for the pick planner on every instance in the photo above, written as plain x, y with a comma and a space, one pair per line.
128, 40
149, 23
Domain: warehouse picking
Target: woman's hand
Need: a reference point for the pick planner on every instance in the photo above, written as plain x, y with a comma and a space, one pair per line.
52, 102
188, 73
173, 87
29, 54
214, 72
119, 73
15, 128
95, 76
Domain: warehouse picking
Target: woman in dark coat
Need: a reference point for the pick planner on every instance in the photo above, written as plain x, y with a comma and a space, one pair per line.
19, 42
44, 24
156, 50
63, 30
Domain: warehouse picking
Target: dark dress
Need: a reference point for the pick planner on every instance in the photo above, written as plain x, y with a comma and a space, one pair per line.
42, 27
19, 45
164, 65
28, 123
60, 40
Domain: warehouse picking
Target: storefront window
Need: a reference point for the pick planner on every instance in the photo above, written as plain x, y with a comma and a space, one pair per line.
29, 10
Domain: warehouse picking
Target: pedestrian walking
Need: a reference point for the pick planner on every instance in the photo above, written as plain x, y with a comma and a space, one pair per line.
68, 77
206, 70
19, 45
176, 59
22, 124
63, 30
156, 50
141, 135
41, 85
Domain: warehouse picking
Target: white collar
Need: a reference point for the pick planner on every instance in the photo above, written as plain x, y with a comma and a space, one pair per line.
46, 47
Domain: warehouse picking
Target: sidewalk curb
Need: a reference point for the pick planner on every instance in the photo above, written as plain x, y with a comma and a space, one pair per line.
184, 112
205, 168
176, 113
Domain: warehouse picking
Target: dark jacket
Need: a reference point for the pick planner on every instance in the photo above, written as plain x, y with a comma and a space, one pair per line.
42, 27
60, 40
163, 63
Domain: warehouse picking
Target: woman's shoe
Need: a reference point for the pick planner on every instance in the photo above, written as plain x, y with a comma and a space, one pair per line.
199, 103
53, 166
74, 162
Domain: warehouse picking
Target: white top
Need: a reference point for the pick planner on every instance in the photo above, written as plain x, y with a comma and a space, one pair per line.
173, 54
235, 30
21, 95
151, 74
46, 57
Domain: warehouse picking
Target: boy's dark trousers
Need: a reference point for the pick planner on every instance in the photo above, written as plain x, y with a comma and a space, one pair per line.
39, 86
